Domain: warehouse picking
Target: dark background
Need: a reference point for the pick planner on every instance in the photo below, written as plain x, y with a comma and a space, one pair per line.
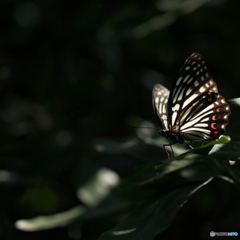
75, 71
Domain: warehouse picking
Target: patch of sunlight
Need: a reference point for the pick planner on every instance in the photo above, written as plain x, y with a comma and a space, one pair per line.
50, 221
6, 176
188, 173
98, 187
123, 232
114, 147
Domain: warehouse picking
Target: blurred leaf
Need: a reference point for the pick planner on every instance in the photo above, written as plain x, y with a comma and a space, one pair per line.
51, 221
134, 147
234, 101
110, 205
98, 186
152, 216
149, 175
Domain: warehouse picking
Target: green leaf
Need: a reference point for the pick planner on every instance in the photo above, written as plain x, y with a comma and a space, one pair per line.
149, 175
199, 150
152, 216
110, 205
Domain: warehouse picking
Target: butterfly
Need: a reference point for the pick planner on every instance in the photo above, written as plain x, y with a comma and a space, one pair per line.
193, 110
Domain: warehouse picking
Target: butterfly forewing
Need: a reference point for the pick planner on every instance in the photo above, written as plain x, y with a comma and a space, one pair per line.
192, 74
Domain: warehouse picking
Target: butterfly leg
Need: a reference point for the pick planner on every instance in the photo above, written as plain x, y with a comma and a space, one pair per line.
170, 145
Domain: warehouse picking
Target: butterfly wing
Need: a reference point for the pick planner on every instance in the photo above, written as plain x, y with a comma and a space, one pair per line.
160, 101
208, 114
195, 107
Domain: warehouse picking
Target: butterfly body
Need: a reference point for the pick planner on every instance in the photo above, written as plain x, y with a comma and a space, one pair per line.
173, 136
193, 110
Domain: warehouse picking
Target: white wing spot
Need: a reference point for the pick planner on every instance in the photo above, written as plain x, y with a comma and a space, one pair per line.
176, 107
202, 89
187, 68
201, 125
206, 85
190, 80
162, 99
196, 83
179, 80
186, 78
174, 117
205, 119
190, 99
188, 91
164, 109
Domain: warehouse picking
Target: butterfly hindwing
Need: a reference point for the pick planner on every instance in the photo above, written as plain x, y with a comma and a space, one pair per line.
160, 99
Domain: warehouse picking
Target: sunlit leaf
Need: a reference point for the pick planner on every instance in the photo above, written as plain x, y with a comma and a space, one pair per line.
50, 221
98, 186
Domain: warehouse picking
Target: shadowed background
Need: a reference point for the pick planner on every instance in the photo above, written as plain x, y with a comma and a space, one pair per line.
72, 72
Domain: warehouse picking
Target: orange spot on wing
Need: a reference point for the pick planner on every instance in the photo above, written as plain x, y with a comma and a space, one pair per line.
214, 117
218, 109
215, 134
214, 126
